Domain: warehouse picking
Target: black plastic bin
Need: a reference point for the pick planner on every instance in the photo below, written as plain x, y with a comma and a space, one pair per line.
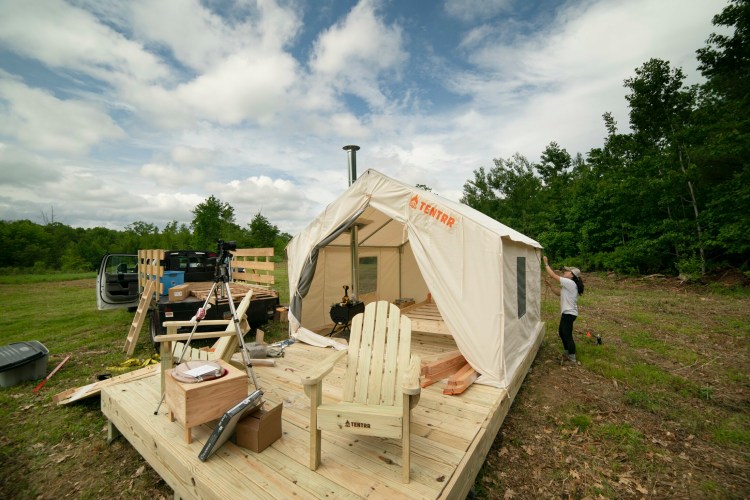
22, 361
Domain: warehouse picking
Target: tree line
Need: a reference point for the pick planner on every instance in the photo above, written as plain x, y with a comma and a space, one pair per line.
672, 194
28, 246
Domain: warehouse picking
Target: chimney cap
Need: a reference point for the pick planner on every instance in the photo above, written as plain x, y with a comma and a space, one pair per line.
351, 147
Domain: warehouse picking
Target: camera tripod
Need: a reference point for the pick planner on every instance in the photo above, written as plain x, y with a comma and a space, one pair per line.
222, 277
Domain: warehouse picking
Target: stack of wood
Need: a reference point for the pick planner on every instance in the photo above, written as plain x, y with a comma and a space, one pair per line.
452, 365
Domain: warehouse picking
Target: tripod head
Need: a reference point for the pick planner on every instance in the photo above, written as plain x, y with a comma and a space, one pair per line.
224, 249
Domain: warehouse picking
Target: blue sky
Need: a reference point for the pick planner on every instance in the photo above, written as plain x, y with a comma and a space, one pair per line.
113, 112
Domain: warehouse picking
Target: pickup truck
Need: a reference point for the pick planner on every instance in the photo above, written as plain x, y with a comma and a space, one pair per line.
118, 288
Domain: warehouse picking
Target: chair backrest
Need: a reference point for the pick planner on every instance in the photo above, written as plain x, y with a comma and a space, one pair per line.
378, 357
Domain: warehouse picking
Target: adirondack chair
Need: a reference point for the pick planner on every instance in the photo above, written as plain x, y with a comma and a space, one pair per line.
381, 384
226, 344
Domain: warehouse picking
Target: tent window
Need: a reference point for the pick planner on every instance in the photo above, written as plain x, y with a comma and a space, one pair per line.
521, 285
368, 275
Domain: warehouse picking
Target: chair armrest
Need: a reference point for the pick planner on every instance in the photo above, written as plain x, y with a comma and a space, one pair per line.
209, 322
411, 377
316, 374
179, 337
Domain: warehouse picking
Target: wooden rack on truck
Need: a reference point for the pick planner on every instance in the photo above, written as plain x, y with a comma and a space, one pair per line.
181, 281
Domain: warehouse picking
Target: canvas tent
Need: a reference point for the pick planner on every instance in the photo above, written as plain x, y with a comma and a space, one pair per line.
483, 276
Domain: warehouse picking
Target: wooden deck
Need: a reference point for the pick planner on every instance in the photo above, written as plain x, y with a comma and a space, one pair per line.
451, 436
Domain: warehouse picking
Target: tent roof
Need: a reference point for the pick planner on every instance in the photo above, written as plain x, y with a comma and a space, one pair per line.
377, 229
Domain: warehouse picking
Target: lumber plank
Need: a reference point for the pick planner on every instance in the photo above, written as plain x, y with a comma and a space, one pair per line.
452, 360
93, 389
138, 318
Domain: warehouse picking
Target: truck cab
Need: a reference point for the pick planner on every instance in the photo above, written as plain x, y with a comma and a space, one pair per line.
117, 282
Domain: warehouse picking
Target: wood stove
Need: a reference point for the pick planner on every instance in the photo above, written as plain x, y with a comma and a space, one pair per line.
342, 314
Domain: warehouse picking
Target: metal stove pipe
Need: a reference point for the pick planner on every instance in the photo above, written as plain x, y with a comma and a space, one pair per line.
352, 151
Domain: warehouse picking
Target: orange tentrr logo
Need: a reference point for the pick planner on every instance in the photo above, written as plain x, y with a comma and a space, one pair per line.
431, 211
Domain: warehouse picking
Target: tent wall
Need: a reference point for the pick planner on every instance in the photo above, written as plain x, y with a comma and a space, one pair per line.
412, 282
521, 271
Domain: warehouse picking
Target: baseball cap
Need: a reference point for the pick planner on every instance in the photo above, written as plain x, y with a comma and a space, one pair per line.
576, 272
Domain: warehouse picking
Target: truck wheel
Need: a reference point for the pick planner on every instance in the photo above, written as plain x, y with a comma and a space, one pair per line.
154, 329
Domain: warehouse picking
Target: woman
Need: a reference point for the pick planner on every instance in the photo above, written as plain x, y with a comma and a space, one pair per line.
571, 287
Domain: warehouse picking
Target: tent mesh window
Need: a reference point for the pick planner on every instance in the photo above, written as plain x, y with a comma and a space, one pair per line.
521, 285
368, 275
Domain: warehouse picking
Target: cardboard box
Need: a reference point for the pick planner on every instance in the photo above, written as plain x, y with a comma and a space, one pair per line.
196, 404
260, 429
179, 292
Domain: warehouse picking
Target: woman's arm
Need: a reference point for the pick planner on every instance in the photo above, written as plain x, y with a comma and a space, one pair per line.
554, 289
549, 269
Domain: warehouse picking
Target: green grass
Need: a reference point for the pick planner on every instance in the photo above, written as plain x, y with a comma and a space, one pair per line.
580, 422
44, 447
20, 279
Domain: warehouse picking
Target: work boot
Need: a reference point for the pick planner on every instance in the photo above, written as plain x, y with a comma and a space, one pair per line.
572, 359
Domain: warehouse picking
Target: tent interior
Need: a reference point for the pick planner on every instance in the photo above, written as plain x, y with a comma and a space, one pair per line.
387, 268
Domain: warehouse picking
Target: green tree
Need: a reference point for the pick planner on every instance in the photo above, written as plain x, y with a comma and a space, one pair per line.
213, 219
263, 234
509, 193
661, 112
139, 235
724, 141
175, 236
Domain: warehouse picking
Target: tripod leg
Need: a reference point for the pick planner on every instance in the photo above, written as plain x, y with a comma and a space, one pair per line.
195, 326
240, 337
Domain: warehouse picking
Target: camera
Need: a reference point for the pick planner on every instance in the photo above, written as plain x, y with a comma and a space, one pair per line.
226, 246
222, 260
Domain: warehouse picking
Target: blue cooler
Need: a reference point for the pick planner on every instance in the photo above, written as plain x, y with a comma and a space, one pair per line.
170, 279
22, 361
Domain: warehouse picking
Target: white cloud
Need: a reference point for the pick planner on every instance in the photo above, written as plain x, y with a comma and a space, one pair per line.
172, 176
22, 168
471, 10
187, 155
355, 53
242, 87
63, 36
40, 120
555, 84
199, 37
220, 98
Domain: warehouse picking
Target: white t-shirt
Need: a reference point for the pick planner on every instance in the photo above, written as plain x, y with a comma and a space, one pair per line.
568, 297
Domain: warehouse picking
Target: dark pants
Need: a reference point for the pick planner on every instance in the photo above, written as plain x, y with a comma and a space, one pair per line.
566, 332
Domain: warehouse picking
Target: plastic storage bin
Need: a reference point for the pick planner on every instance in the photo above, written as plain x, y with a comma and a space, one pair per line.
170, 279
22, 361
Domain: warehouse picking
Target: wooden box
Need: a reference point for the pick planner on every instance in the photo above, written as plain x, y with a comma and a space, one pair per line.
196, 404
